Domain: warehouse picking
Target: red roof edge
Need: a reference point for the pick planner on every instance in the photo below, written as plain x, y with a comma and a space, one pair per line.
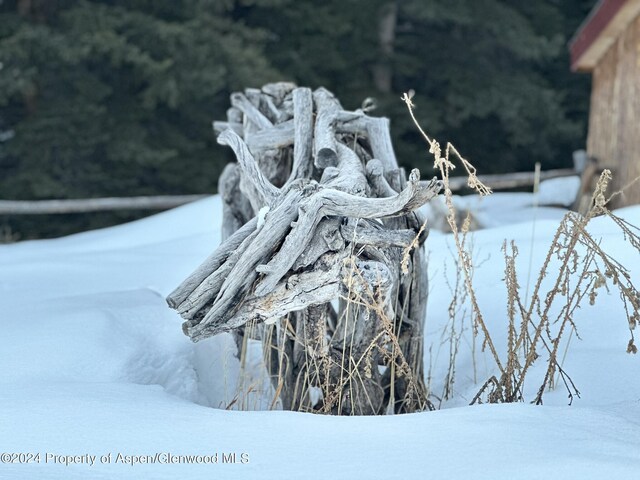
592, 27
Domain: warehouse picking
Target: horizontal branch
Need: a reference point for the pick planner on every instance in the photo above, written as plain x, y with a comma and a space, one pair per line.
45, 207
276, 137
511, 180
367, 234
284, 134
416, 194
219, 127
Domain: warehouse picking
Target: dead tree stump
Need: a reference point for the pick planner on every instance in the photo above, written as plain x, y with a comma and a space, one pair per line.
323, 249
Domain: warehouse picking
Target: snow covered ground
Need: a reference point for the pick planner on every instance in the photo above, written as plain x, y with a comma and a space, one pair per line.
94, 364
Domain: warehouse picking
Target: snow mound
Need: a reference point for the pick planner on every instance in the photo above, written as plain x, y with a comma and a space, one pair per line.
94, 363
559, 191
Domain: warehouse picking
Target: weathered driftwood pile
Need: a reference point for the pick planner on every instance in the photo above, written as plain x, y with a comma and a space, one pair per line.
322, 250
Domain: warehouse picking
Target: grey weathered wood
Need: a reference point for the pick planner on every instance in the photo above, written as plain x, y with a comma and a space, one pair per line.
298, 292
324, 132
243, 273
380, 140
264, 103
361, 150
382, 188
329, 174
338, 231
250, 111
211, 286
367, 234
334, 202
352, 122
303, 134
219, 127
375, 129
310, 344
278, 91
327, 238
409, 394
253, 184
377, 180
411, 333
351, 177
419, 294
275, 115
416, 219
286, 107
233, 216
284, 344
276, 137
254, 96
234, 115
275, 164
47, 207
344, 122
358, 334
211, 264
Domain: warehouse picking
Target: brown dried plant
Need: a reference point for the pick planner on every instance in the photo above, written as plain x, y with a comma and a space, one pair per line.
534, 329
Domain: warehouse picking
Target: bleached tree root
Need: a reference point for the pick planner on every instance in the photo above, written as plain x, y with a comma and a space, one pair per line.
317, 213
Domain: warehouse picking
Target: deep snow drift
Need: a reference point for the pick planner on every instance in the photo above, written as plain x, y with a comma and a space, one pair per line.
94, 363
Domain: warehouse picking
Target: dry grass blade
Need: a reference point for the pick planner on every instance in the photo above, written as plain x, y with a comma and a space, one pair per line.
576, 267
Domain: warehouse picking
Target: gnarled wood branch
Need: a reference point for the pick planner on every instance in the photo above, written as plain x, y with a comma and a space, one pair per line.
336, 203
211, 264
253, 184
250, 111
335, 230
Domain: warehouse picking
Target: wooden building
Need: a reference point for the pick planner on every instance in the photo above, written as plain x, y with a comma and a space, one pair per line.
607, 45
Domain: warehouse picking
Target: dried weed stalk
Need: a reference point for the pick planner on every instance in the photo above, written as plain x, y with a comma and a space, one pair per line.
538, 326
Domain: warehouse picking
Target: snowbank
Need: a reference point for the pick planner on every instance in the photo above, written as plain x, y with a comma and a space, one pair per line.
93, 363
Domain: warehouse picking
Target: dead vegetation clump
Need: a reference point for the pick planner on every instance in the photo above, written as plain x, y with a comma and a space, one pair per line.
540, 326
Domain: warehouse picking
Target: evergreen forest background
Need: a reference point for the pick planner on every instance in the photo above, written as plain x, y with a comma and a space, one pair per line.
116, 97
